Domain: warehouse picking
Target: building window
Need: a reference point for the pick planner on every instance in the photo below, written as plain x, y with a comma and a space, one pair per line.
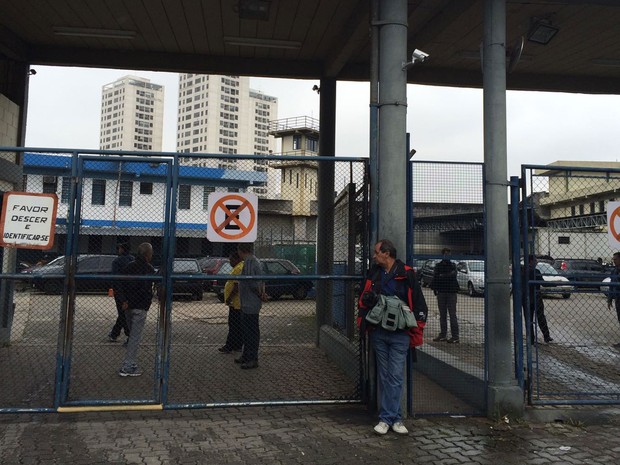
98, 193
205, 196
50, 183
185, 196
146, 188
601, 206
581, 209
296, 142
563, 239
125, 194
65, 190
312, 145
573, 211
592, 207
234, 189
297, 184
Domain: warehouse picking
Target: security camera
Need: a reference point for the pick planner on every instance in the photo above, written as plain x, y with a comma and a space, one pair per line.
419, 55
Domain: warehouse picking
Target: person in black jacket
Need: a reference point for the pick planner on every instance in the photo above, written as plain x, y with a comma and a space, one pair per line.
536, 303
136, 297
118, 265
446, 286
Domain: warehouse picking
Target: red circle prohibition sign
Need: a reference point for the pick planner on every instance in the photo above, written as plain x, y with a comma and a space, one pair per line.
232, 217
612, 220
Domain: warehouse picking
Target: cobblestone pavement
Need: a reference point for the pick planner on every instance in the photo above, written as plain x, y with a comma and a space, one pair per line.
324, 434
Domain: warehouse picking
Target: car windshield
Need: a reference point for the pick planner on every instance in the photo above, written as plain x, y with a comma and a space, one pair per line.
184, 266
60, 261
226, 268
545, 268
476, 266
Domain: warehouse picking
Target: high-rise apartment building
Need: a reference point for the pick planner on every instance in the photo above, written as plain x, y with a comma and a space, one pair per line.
132, 115
221, 114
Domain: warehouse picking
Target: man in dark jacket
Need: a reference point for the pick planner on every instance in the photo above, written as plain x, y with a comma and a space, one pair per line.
536, 303
136, 296
118, 265
446, 286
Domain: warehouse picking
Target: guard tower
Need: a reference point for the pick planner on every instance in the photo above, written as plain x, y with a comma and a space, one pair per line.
300, 136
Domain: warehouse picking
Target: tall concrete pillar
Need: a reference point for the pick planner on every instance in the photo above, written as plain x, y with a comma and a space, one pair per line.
504, 395
391, 160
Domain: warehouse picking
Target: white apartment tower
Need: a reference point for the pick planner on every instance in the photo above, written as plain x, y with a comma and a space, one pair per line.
221, 114
132, 115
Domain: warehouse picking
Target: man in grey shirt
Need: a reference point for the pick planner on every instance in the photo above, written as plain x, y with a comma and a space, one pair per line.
252, 295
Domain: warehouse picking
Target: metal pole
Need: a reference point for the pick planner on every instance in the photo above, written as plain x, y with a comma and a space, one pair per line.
504, 395
515, 234
392, 202
374, 122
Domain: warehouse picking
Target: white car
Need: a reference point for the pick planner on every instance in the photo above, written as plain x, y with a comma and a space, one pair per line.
558, 285
470, 275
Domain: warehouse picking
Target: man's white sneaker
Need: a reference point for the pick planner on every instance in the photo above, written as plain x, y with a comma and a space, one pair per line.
382, 428
399, 428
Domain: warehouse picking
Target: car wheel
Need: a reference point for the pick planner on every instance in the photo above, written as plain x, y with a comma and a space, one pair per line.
300, 293
52, 287
470, 290
565, 296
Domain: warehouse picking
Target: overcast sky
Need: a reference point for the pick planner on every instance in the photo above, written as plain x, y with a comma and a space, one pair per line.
445, 123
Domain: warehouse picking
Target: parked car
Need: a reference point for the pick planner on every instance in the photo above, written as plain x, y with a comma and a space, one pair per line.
585, 270
427, 271
470, 276
100, 265
187, 287
558, 285
211, 265
297, 288
417, 265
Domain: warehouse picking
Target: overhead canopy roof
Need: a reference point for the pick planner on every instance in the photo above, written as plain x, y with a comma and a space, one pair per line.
313, 38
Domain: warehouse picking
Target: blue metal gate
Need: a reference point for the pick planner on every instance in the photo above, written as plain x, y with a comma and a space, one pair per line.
56, 355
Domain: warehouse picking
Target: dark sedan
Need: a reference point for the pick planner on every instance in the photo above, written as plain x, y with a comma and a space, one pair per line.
50, 278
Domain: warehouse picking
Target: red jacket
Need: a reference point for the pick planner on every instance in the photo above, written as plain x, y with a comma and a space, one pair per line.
407, 289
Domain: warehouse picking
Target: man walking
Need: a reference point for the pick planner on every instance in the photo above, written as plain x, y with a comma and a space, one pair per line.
537, 305
252, 295
136, 296
446, 286
119, 263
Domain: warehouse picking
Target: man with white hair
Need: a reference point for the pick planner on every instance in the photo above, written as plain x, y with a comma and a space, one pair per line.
136, 297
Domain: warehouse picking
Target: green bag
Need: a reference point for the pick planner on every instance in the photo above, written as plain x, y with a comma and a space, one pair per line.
391, 313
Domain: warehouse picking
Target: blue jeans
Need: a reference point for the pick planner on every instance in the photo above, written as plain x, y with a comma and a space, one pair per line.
391, 349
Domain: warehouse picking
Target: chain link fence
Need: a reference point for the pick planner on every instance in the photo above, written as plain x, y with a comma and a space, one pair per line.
448, 216
565, 213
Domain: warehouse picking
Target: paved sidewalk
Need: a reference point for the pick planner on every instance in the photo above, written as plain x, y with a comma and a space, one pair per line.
324, 434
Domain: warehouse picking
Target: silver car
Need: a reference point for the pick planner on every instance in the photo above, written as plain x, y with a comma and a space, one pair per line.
470, 275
